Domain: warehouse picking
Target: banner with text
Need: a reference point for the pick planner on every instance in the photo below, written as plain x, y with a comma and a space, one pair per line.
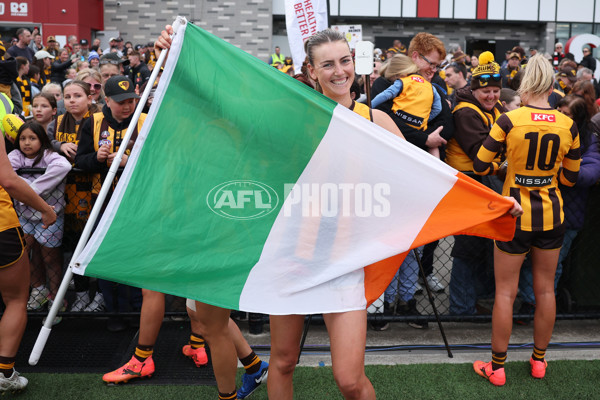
303, 18
352, 33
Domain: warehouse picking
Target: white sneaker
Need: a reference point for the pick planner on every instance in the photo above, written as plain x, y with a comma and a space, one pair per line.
14, 383
434, 284
82, 299
96, 305
37, 299
58, 318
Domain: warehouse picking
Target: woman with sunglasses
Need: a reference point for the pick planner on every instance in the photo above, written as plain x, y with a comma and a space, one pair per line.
477, 108
94, 79
542, 149
588, 60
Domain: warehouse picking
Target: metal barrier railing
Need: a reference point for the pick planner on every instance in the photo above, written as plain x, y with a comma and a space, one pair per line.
459, 272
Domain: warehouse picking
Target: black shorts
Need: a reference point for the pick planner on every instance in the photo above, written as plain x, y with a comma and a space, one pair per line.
525, 240
12, 246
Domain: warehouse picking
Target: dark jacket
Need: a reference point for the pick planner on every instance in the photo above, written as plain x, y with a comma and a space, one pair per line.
139, 75
575, 198
412, 135
58, 71
588, 62
86, 158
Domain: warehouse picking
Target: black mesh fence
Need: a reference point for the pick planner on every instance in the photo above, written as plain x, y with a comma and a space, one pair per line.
458, 271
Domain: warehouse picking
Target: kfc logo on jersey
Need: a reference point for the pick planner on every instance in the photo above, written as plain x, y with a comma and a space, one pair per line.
417, 79
543, 117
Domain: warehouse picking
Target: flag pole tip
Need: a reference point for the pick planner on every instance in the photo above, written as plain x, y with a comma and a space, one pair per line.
179, 21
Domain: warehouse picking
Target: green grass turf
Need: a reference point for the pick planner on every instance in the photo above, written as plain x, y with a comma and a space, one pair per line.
564, 380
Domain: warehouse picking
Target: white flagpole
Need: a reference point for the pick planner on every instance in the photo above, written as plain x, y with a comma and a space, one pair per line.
42, 338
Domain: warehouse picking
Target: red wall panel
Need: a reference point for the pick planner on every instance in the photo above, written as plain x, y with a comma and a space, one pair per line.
428, 8
482, 10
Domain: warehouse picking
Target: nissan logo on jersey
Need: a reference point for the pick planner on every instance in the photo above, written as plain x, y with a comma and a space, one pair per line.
524, 180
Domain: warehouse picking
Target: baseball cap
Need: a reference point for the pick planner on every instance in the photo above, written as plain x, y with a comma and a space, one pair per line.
50, 39
112, 58
40, 55
568, 72
120, 88
112, 39
83, 42
514, 54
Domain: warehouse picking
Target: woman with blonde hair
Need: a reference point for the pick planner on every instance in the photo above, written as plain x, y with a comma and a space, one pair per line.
94, 79
415, 100
542, 149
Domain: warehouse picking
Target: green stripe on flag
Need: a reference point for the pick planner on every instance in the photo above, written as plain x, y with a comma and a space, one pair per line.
226, 116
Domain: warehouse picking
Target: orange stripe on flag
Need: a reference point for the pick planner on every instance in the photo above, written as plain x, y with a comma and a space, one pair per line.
378, 276
469, 208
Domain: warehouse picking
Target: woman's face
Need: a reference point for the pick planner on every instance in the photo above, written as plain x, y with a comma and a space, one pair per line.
94, 62
474, 61
333, 68
42, 110
76, 101
487, 96
565, 110
95, 87
64, 56
514, 104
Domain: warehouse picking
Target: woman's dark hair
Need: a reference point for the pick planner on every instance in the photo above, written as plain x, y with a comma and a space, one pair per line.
33, 71
580, 115
40, 132
51, 99
586, 90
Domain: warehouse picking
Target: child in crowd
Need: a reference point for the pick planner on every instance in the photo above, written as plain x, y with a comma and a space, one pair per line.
101, 137
33, 150
44, 109
510, 99
54, 89
415, 101
64, 135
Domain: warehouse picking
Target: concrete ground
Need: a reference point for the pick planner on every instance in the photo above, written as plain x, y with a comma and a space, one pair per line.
468, 342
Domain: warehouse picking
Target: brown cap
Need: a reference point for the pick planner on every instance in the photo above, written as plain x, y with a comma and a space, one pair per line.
514, 54
458, 56
50, 39
568, 72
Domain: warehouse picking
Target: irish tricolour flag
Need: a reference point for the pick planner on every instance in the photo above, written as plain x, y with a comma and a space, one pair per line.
248, 190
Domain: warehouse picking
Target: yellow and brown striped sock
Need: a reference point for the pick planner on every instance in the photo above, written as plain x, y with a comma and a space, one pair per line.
498, 360
196, 341
143, 352
228, 396
251, 363
538, 354
7, 365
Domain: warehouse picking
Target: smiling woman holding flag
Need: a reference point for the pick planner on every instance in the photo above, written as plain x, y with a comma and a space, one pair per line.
331, 66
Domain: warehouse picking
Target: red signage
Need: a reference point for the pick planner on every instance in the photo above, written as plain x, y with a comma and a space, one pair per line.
543, 117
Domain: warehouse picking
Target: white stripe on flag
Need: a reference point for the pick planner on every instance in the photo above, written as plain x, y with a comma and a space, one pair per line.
298, 273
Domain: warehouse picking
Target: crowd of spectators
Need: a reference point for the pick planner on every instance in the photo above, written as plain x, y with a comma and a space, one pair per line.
37, 77
60, 89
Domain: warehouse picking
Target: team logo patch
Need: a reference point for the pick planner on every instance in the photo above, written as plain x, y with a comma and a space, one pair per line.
543, 117
124, 85
417, 79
